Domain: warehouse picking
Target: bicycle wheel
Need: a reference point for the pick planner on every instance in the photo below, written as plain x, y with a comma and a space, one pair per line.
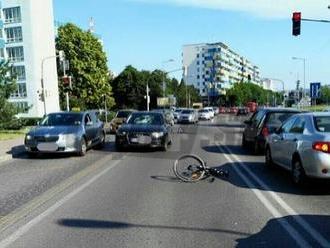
189, 168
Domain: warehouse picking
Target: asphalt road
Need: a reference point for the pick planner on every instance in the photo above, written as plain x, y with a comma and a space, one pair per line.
132, 199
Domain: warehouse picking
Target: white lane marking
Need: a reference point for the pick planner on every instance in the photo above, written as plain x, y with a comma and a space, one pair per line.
284, 223
25, 228
304, 224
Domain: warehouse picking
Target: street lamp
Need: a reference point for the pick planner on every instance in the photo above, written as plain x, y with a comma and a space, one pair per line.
304, 62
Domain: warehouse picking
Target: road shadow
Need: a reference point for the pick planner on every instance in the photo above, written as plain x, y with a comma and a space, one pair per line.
103, 224
277, 179
274, 235
236, 150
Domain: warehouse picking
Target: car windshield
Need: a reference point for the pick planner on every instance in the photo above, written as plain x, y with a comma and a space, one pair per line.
187, 111
145, 119
277, 119
61, 120
322, 123
178, 111
123, 114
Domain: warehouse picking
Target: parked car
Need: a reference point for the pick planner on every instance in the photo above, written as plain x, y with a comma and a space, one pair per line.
210, 109
120, 118
66, 132
146, 129
242, 111
263, 123
188, 116
222, 110
233, 110
204, 114
302, 146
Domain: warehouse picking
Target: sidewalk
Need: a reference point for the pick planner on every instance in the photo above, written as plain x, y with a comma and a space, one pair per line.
11, 148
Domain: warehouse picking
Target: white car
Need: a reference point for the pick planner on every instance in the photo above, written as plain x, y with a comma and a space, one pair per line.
210, 109
204, 114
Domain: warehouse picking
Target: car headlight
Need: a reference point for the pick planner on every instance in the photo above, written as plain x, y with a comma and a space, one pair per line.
157, 134
68, 138
28, 137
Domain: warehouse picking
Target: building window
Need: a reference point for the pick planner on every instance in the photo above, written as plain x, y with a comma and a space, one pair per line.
21, 91
12, 15
14, 34
19, 72
1, 36
197, 55
23, 107
197, 62
198, 77
15, 54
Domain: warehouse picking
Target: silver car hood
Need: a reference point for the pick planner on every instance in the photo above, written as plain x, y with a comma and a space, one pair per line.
54, 130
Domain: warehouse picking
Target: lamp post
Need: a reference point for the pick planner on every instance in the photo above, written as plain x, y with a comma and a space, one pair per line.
43, 92
304, 63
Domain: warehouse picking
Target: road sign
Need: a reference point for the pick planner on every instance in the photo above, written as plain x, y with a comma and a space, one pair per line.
315, 90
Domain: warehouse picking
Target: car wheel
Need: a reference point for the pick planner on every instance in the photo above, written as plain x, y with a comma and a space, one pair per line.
256, 148
298, 173
102, 141
83, 147
268, 158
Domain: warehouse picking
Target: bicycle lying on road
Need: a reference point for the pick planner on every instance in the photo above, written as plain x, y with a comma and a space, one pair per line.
191, 168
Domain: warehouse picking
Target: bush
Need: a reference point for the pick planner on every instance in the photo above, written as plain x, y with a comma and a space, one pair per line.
14, 124
30, 121
110, 116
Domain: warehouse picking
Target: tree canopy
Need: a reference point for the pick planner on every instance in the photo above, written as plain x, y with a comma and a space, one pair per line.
88, 68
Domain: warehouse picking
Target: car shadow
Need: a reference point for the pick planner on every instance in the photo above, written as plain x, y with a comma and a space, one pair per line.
107, 224
166, 179
274, 235
277, 179
16, 151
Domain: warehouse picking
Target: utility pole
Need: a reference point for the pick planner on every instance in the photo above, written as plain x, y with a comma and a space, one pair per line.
148, 98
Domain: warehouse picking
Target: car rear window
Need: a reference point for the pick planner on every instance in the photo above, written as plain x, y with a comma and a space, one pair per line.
277, 119
187, 112
322, 123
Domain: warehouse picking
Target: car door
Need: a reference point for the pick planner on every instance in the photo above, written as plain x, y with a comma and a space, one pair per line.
278, 142
291, 140
253, 127
89, 129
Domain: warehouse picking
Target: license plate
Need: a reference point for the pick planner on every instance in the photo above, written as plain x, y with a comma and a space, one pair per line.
47, 147
144, 140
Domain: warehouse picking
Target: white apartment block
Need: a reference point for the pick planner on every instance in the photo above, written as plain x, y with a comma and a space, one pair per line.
27, 40
214, 68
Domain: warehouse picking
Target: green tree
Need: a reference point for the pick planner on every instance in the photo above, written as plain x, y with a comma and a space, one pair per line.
7, 87
325, 94
88, 68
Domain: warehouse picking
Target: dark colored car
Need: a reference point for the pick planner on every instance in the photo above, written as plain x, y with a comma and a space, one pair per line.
263, 123
66, 132
145, 129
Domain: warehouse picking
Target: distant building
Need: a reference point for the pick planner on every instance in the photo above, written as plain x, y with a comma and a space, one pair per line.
269, 84
26, 39
214, 68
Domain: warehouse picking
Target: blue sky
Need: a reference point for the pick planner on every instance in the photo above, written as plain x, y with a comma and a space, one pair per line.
144, 33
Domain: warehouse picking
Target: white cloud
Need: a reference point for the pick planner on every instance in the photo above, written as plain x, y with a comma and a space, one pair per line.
317, 9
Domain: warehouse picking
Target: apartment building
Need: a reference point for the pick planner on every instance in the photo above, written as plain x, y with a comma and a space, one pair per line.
214, 68
27, 42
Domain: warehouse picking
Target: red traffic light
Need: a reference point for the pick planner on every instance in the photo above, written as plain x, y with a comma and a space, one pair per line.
296, 16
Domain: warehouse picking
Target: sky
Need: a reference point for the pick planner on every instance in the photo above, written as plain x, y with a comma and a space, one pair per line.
145, 33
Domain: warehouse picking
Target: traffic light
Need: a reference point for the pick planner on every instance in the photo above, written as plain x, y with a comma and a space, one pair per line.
296, 23
66, 80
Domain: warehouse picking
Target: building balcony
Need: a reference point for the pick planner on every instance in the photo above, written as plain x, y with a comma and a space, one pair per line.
1, 24
2, 43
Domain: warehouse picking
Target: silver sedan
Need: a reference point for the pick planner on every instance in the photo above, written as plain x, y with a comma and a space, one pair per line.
302, 146
66, 132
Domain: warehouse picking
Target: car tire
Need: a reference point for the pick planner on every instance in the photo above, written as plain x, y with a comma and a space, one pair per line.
244, 142
102, 141
83, 147
268, 158
298, 175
